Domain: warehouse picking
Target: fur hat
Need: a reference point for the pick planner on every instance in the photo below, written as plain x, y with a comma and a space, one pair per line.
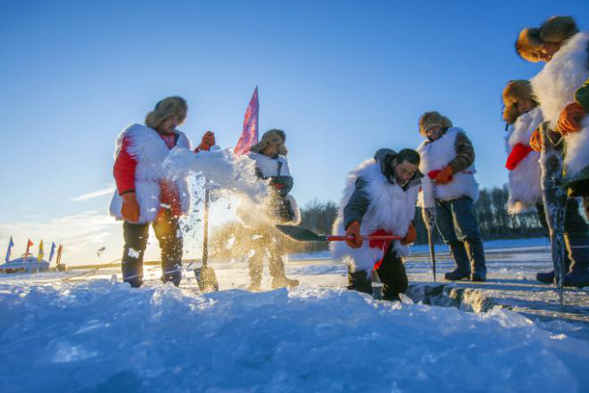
516, 90
555, 30
269, 136
431, 119
166, 108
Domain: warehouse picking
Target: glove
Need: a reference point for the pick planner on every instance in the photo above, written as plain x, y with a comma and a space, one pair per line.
354, 230
208, 140
130, 209
410, 237
568, 121
445, 176
536, 141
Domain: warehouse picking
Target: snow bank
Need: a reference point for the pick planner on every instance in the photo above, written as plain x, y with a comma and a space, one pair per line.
103, 336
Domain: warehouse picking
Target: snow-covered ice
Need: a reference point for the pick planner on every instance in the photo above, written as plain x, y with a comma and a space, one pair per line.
61, 333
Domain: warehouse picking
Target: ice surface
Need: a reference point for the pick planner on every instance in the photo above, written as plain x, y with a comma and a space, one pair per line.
99, 336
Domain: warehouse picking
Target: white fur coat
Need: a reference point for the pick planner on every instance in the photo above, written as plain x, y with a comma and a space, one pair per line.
150, 151
438, 154
525, 181
555, 88
390, 209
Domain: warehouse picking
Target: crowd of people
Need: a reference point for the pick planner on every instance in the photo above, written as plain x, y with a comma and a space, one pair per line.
381, 194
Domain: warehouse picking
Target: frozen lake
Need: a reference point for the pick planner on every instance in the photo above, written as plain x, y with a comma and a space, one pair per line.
88, 332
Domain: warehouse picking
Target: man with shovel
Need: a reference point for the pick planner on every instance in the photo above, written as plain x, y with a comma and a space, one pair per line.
145, 196
379, 200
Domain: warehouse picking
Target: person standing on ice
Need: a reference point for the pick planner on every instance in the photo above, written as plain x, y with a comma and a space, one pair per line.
523, 116
272, 166
379, 199
565, 50
521, 111
447, 161
144, 196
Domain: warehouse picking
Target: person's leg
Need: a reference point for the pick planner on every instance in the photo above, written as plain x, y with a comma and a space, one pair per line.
135, 236
393, 276
467, 230
167, 231
445, 224
256, 266
279, 279
576, 236
359, 281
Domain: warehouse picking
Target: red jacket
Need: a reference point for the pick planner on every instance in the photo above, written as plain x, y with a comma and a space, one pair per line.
124, 174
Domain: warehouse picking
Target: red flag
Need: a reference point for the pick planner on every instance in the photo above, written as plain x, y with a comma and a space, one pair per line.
249, 137
29, 245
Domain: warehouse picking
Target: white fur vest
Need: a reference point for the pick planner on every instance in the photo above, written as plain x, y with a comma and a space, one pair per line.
438, 154
270, 167
525, 181
555, 88
390, 209
150, 151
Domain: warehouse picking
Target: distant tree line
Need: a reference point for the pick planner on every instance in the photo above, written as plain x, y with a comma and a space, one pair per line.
319, 216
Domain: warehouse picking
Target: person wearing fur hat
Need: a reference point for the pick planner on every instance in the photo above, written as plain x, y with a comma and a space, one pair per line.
522, 113
447, 161
272, 166
379, 199
565, 50
144, 196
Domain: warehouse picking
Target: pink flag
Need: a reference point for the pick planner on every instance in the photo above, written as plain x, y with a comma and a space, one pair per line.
249, 137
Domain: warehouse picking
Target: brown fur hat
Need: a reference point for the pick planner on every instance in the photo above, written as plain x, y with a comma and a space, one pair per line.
555, 30
516, 90
268, 136
431, 119
166, 108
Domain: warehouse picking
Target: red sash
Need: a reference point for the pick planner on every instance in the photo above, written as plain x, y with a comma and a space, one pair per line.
382, 244
519, 152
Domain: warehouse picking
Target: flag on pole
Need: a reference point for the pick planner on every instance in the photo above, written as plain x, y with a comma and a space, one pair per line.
41, 252
10, 245
29, 245
59, 252
52, 252
249, 136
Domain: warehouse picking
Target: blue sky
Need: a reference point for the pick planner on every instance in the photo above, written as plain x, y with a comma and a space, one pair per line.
343, 78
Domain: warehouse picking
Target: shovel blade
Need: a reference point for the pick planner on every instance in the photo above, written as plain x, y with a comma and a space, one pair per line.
301, 234
207, 279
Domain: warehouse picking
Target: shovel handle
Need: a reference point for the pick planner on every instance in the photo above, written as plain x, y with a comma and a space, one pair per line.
369, 238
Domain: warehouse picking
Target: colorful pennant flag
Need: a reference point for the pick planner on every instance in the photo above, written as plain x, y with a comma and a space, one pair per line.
59, 252
52, 251
10, 245
41, 252
249, 136
29, 245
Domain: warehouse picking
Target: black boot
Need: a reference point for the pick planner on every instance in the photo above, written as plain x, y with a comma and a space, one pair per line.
359, 281
462, 265
476, 255
579, 272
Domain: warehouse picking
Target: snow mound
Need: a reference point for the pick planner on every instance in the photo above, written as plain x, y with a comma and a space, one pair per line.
100, 336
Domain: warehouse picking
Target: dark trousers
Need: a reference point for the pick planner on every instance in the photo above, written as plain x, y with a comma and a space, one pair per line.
456, 221
167, 232
391, 272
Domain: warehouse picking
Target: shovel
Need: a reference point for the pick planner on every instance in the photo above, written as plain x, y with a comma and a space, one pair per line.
205, 276
306, 235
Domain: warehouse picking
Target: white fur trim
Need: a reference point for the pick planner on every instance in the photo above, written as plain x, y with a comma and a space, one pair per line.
525, 181
438, 154
555, 88
390, 208
269, 166
150, 151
